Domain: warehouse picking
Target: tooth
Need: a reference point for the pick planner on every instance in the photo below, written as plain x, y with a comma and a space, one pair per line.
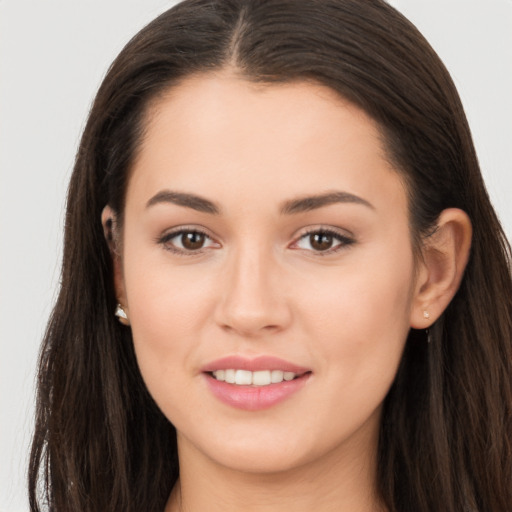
261, 378
243, 377
219, 375
247, 378
277, 376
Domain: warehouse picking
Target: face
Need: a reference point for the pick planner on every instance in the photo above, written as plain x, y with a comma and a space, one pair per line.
266, 242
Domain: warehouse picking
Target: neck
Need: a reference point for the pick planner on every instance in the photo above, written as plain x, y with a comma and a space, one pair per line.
341, 482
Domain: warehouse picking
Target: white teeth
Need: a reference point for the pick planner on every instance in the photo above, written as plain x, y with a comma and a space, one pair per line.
243, 378
248, 378
277, 376
261, 378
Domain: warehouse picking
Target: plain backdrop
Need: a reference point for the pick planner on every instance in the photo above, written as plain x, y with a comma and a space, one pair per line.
53, 55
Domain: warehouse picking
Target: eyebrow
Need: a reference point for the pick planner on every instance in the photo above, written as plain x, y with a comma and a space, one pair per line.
192, 201
293, 206
305, 204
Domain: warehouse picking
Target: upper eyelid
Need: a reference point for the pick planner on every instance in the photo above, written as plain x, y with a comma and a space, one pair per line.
305, 231
345, 238
343, 233
171, 232
165, 239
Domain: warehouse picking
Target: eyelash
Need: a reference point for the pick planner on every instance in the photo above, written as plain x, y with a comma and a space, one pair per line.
166, 239
344, 241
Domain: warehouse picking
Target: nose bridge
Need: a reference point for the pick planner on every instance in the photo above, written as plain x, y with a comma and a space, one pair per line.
252, 299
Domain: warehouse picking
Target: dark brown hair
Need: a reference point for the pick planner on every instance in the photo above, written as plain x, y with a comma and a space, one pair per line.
102, 444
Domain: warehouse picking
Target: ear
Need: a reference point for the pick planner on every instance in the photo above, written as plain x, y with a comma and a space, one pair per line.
108, 221
445, 254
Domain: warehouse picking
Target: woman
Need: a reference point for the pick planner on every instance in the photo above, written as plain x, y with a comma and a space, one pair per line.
281, 204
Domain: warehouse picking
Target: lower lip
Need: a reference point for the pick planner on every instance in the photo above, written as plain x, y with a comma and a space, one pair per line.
255, 398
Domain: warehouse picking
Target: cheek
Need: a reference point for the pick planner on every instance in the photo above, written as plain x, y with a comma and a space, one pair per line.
163, 297
167, 308
359, 325
362, 316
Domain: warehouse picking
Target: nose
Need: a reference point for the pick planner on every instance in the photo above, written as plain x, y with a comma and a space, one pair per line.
253, 295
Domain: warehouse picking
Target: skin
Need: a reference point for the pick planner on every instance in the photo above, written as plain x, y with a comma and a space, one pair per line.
259, 287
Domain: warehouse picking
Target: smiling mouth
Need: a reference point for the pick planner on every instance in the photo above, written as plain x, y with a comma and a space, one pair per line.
254, 384
258, 378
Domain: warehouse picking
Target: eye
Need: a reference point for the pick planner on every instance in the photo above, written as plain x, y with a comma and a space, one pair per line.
323, 241
187, 241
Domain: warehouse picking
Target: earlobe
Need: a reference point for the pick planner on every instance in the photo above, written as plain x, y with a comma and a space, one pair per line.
108, 221
445, 254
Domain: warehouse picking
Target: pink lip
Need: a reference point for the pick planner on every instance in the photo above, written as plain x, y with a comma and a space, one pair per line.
256, 364
254, 398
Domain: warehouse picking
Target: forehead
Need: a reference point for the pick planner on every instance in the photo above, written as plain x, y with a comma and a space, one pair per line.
220, 134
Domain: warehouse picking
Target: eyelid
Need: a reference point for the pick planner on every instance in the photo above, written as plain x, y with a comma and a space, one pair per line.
343, 236
167, 236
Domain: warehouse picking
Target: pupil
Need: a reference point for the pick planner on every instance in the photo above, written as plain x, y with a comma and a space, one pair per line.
320, 241
192, 240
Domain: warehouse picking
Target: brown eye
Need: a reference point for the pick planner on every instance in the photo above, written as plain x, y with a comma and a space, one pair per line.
321, 241
187, 241
192, 240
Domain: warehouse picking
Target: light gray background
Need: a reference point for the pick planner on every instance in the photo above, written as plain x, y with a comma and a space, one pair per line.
53, 55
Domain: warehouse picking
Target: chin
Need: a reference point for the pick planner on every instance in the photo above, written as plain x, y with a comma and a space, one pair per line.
249, 452
284, 450
260, 461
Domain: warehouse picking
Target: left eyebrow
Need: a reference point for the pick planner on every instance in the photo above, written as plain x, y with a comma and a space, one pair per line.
192, 201
308, 203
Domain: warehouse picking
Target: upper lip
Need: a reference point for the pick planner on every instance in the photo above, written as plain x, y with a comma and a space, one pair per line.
255, 364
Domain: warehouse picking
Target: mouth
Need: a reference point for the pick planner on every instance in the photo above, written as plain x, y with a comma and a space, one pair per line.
254, 384
258, 378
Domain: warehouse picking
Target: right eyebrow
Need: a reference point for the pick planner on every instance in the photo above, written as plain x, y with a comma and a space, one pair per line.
308, 203
184, 199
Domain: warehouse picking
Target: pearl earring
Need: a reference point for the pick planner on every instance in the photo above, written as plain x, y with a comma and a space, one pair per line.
426, 315
121, 315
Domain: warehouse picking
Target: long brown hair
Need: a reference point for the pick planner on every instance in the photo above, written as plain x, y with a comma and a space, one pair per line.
102, 444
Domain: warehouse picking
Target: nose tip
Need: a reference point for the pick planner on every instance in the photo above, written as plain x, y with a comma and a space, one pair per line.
252, 310
249, 322
253, 302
